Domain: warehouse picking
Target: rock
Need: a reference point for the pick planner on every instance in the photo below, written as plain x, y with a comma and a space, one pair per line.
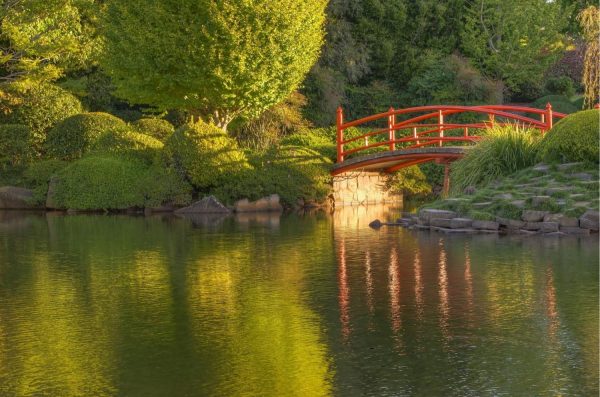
532, 225
549, 227
429, 214
553, 190
562, 220
376, 224
518, 203
469, 190
542, 168
533, 216
440, 222
208, 205
482, 205
269, 203
450, 231
582, 204
504, 196
460, 223
539, 200
51, 195
583, 176
510, 223
576, 196
15, 198
557, 234
590, 220
486, 225
575, 231
566, 166
525, 231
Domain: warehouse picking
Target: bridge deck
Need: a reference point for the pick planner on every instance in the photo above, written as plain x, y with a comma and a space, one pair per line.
394, 160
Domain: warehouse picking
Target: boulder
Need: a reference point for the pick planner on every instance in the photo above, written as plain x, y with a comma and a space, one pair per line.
440, 222
533, 216
429, 214
575, 231
15, 198
208, 205
532, 226
510, 223
549, 227
461, 223
486, 225
265, 204
562, 220
590, 220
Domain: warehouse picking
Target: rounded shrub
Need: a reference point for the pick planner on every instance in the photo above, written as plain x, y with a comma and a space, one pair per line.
72, 137
40, 107
101, 182
502, 151
559, 103
205, 154
156, 128
15, 145
574, 138
128, 143
320, 139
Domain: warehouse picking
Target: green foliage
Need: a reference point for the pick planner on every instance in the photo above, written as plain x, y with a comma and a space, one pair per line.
72, 137
504, 150
320, 139
157, 128
205, 154
505, 209
559, 103
434, 173
274, 124
37, 177
112, 182
39, 107
514, 40
224, 59
15, 145
451, 80
128, 143
562, 85
410, 181
574, 138
481, 216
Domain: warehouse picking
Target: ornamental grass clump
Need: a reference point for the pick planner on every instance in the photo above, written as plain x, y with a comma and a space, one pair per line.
574, 138
502, 151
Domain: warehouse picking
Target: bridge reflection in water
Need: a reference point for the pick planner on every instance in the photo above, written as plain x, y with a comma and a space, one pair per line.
464, 299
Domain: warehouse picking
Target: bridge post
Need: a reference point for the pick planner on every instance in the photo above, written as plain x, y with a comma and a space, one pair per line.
549, 117
441, 124
339, 121
392, 132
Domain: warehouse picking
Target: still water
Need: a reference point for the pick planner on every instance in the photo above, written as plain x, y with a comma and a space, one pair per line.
310, 305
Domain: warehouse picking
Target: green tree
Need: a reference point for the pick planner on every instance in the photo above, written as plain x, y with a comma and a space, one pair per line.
220, 59
514, 40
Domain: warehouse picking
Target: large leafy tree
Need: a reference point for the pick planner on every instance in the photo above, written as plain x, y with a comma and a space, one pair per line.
218, 58
514, 40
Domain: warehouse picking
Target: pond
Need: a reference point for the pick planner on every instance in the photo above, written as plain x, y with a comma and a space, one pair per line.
302, 305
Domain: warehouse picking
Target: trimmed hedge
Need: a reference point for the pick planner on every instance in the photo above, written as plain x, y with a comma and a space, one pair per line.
205, 155
111, 182
128, 143
41, 107
156, 128
15, 145
559, 103
574, 138
71, 138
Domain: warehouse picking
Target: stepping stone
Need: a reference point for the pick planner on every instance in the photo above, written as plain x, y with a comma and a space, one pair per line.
582, 204
553, 190
542, 168
518, 203
538, 200
504, 196
576, 196
428, 214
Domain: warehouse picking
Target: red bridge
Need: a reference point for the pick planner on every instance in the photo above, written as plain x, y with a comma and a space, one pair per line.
427, 133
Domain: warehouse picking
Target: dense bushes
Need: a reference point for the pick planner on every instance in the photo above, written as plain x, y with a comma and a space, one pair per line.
204, 154
128, 143
320, 139
156, 128
574, 138
111, 182
72, 137
409, 181
502, 151
15, 145
559, 103
40, 107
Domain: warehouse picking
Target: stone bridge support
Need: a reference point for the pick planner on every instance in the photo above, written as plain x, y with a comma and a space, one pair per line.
361, 188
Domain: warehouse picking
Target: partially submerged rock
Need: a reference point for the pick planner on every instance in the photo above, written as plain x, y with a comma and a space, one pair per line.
590, 220
208, 205
16, 198
376, 224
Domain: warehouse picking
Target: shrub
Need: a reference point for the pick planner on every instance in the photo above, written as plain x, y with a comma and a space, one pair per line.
562, 85
40, 107
504, 150
15, 145
72, 137
37, 177
320, 139
410, 181
574, 138
204, 154
157, 128
128, 143
559, 103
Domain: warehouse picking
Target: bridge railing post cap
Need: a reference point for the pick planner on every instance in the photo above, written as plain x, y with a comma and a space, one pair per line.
548, 105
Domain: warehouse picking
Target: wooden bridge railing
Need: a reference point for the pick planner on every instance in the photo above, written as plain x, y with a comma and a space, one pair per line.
432, 128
